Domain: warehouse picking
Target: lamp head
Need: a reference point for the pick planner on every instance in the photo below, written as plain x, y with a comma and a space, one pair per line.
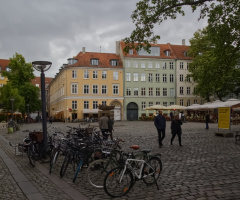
41, 65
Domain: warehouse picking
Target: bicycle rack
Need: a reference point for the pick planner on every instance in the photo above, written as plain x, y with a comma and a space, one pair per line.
17, 148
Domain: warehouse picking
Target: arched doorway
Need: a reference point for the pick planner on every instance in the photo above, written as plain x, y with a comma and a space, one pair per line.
132, 111
117, 110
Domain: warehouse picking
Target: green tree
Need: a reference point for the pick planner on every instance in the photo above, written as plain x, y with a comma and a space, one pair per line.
214, 63
20, 76
151, 12
8, 92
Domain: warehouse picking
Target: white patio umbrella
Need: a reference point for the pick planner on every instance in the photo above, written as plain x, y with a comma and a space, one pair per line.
149, 108
193, 107
231, 102
158, 107
215, 104
176, 107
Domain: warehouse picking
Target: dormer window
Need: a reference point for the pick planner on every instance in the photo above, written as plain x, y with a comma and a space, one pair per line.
114, 62
185, 53
8, 69
167, 53
94, 61
130, 52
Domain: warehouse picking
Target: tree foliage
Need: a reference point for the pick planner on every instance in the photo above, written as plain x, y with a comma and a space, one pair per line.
19, 77
214, 64
151, 12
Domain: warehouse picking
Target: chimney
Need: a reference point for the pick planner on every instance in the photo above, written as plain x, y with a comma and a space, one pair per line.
155, 42
183, 42
117, 48
83, 50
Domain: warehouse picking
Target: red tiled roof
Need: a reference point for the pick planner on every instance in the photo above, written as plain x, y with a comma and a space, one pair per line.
177, 51
4, 63
104, 60
37, 80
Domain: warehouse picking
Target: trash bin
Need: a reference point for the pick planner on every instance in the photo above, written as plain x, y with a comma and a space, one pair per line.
10, 129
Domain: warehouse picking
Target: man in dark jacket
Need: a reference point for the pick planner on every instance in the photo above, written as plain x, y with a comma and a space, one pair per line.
176, 130
160, 124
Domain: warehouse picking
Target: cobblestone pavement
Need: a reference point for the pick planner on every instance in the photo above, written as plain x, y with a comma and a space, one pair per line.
206, 167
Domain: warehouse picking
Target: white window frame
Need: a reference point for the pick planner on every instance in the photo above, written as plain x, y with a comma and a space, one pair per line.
104, 88
86, 74
115, 75
158, 92
115, 89
86, 104
74, 105
143, 91
94, 89
143, 77
181, 91
164, 92
104, 74
157, 77
135, 76
85, 89
171, 78
128, 77
95, 104
95, 74
74, 74
135, 91
74, 88
164, 78
128, 91
150, 77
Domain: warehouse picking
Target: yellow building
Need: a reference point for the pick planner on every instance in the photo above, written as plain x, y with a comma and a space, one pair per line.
89, 79
3, 67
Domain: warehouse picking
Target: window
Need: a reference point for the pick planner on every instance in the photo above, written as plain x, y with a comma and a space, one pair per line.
187, 66
37, 85
167, 53
8, 69
157, 78
74, 74
171, 92
164, 78
114, 62
104, 103
135, 64
104, 89
181, 102
115, 89
142, 64
150, 91
143, 91
86, 89
157, 102
150, 77
104, 74
150, 103
195, 101
188, 79
188, 102
95, 89
164, 91
181, 65
95, 104
154, 51
74, 88
127, 63
135, 77
128, 76
95, 74
86, 74
171, 103
188, 90
171, 65
130, 52
115, 75
157, 92
165, 104
181, 90
135, 91
164, 65
143, 77
149, 64
94, 61
181, 77
171, 78
185, 53
128, 91
74, 105
157, 65
143, 105
86, 104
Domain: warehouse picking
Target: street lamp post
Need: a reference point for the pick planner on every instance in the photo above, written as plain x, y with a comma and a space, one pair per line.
28, 113
43, 66
12, 100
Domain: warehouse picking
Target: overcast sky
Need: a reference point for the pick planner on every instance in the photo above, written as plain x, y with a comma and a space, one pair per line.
55, 30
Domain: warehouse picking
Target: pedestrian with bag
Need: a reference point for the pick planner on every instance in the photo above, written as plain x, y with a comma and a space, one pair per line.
176, 130
160, 124
110, 126
103, 125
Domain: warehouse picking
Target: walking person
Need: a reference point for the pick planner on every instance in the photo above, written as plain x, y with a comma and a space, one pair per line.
207, 120
176, 130
160, 124
103, 125
110, 126
171, 115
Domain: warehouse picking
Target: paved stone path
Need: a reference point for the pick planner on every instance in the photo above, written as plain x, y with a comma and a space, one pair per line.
206, 167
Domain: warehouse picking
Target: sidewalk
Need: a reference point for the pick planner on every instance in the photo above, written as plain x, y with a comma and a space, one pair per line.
206, 167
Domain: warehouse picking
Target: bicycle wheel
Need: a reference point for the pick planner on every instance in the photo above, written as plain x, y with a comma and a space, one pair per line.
31, 154
117, 184
64, 165
54, 157
97, 171
151, 170
78, 169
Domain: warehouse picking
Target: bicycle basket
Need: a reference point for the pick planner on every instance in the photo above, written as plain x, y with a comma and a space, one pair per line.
89, 130
36, 136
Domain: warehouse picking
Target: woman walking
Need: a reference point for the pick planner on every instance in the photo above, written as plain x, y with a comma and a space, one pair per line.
176, 129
